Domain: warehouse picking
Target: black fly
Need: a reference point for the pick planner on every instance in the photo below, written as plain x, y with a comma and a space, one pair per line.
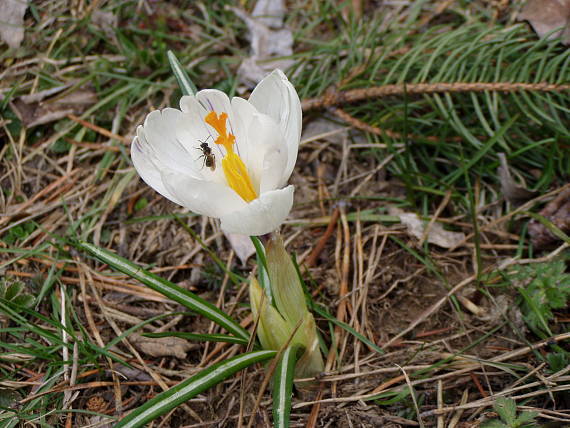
207, 155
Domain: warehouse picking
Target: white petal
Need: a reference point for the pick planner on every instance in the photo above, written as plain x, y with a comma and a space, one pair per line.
147, 166
261, 216
217, 101
214, 100
244, 113
192, 131
263, 150
202, 197
160, 132
274, 163
276, 97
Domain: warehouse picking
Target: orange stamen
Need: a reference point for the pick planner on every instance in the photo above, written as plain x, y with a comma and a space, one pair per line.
218, 122
235, 170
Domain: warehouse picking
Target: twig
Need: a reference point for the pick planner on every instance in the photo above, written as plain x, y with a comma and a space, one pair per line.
345, 97
99, 130
322, 242
413, 394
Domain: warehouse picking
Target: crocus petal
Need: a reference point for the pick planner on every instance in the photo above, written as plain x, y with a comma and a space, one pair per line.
214, 100
160, 134
285, 286
149, 169
276, 97
264, 150
245, 113
272, 330
262, 215
203, 197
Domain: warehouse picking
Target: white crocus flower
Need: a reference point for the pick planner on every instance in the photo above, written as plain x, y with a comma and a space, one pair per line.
226, 159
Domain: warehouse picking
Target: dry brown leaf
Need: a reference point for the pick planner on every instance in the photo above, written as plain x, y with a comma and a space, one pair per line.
32, 110
242, 246
269, 41
437, 235
546, 16
510, 189
558, 212
106, 22
162, 346
12, 21
269, 13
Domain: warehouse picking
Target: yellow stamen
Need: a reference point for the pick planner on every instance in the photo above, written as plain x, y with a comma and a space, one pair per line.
234, 168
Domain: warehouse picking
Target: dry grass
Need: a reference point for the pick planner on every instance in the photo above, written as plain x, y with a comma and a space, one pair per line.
452, 340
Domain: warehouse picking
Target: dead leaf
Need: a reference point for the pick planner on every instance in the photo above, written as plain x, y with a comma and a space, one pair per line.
269, 13
32, 110
558, 212
324, 129
510, 189
162, 346
242, 246
131, 373
437, 235
546, 16
269, 40
106, 22
12, 21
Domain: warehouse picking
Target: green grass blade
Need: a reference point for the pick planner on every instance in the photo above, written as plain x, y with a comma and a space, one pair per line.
550, 226
323, 312
200, 337
166, 288
283, 386
186, 85
191, 387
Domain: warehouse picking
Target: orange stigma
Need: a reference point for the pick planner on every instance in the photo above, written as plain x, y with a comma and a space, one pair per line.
218, 122
235, 170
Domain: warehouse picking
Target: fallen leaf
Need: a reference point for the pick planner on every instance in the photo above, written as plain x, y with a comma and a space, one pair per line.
32, 110
324, 129
106, 22
242, 246
510, 189
269, 41
162, 346
546, 16
437, 235
558, 212
269, 12
12, 22
131, 373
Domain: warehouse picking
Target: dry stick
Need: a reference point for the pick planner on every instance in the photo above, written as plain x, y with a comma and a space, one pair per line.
322, 242
341, 311
131, 348
457, 416
350, 96
98, 129
270, 369
53, 185
504, 357
490, 401
363, 126
433, 308
312, 421
440, 419
88, 385
219, 303
440, 208
507, 216
413, 395
98, 338
249, 347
